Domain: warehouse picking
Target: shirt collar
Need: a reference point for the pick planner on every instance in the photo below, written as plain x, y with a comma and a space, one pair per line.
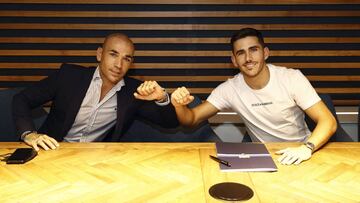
118, 85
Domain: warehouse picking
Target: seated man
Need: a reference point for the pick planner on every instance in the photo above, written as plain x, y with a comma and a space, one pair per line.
269, 99
92, 104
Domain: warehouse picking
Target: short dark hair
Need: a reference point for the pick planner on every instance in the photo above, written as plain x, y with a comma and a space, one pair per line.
246, 32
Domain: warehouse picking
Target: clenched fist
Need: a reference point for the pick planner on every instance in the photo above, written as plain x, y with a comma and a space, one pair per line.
181, 96
150, 90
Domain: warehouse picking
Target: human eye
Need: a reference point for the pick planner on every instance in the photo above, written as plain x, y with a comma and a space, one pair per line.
239, 53
128, 59
254, 49
113, 54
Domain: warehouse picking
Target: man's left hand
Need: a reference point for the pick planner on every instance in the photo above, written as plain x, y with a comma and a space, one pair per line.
150, 90
294, 155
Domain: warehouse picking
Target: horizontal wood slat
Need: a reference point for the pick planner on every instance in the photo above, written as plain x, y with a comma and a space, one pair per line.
319, 90
229, 65
275, 40
338, 90
114, 14
349, 102
62, 26
339, 102
183, 65
21, 78
177, 53
192, 78
223, 78
193, 90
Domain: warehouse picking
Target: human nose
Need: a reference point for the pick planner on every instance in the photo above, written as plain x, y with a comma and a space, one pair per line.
118, 62
248, 56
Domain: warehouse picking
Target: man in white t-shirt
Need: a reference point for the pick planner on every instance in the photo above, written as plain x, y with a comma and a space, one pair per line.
271, 100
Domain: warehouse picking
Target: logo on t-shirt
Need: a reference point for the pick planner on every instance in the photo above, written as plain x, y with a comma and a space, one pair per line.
261, 104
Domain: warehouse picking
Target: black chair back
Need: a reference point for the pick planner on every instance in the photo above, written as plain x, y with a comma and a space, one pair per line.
7, 127
144, 131
340, 135
359, 124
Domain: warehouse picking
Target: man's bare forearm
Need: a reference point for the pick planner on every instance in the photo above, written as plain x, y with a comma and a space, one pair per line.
185, 116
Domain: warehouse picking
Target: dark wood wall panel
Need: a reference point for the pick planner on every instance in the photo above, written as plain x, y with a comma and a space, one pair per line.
112, 14
187, 1
184, 43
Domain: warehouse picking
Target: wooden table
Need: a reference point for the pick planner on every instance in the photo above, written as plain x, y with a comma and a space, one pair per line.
172, 172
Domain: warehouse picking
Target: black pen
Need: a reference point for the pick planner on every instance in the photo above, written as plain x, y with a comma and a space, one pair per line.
220, 161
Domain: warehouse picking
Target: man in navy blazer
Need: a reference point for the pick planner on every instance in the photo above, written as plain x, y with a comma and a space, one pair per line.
92, 104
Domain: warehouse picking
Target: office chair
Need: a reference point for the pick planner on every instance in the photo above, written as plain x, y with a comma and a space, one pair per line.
340, 135
7, 127
359, 123
246, 137
144, 131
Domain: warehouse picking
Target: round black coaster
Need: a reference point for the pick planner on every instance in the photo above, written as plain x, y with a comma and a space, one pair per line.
231, 191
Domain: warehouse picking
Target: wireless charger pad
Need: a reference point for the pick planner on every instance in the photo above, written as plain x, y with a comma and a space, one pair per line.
231, 191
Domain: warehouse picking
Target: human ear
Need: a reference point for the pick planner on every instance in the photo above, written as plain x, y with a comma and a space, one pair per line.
266, 53
233, 60
99, 54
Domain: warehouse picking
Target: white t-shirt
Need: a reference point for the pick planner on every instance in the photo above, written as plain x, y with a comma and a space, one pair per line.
273, 113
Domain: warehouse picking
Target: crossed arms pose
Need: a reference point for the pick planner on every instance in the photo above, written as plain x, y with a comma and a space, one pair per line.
271, 100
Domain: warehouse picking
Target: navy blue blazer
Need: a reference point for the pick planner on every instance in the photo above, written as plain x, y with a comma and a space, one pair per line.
67, 88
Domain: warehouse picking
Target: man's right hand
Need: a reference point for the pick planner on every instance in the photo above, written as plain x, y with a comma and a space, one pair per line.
34, 140
181, 97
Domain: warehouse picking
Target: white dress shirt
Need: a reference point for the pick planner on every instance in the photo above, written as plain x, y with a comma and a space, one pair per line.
95, 118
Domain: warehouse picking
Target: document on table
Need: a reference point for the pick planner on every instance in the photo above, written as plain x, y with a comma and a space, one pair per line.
245, 157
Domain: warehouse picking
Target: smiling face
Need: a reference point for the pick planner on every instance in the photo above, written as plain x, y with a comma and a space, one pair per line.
249, 56
115, 58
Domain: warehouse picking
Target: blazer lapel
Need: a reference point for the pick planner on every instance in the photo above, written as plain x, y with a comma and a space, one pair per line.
124, 101
124, 97
78, 95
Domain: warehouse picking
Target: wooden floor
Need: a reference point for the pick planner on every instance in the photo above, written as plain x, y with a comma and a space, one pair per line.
172, 172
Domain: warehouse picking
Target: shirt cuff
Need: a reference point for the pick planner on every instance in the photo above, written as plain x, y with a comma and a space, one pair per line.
26, 133
165, 102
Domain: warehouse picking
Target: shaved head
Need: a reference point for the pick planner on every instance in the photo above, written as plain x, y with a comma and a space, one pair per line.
120, 36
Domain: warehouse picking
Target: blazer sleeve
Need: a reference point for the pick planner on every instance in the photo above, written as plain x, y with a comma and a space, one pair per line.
30, 98
164, 116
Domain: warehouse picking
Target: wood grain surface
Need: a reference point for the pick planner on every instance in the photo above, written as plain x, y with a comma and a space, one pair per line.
172, 172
